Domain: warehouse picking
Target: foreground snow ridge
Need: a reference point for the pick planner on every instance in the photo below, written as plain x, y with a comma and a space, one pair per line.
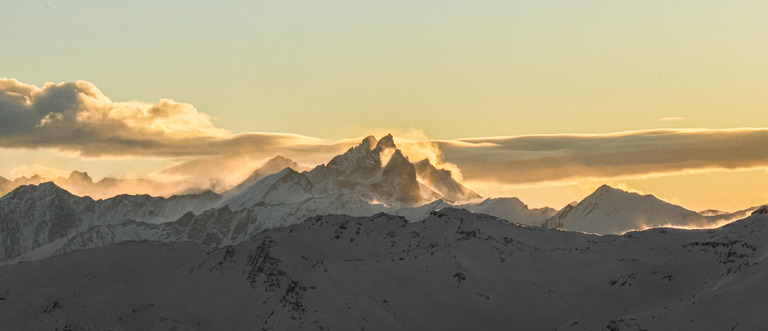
452, 270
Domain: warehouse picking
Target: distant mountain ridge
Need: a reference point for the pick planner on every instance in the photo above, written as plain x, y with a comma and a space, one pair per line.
82, 184
7, 185
613, 211
33, 216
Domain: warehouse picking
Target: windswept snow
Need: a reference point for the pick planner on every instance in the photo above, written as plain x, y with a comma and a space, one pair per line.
613, 211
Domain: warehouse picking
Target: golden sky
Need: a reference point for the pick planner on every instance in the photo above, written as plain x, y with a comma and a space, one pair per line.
197, 79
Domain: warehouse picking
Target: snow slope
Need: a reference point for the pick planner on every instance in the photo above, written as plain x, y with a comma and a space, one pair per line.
273, 166
453, 270
613, 211
284, 187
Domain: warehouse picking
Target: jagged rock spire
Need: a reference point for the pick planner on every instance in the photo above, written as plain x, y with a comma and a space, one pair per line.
386, 142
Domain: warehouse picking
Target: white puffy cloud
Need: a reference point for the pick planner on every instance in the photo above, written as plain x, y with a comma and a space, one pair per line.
78, 117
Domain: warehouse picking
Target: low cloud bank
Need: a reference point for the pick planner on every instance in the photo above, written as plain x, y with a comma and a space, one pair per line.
543, 158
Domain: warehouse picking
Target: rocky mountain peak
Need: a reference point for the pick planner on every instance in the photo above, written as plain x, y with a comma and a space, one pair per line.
605, 192
613, 211
398, 160
368, 143
280, 159
274, 165
424, 166
386, 142
374, 170
442, 181
398, 181
605, 188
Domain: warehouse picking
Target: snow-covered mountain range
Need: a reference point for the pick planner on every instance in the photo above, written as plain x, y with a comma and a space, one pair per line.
452, 270
215, 227
373, 177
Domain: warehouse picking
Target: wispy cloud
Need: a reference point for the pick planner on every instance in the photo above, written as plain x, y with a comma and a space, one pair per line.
670, 119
